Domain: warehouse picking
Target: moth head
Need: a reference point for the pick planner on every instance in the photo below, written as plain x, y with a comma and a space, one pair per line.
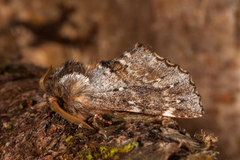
67, 82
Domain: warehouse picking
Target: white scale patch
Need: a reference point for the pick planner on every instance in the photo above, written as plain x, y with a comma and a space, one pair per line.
146, 74
100, 66
58, 70
131, 102
122, 62
159, 79
101, 82
136, 110
127, 54
153, 61
107, 71
121, 89
74, 77
169, 112
178, 101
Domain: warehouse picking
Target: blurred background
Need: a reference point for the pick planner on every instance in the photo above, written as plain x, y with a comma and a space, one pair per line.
202, 36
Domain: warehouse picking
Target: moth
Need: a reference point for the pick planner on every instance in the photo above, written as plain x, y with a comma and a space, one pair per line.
139, 81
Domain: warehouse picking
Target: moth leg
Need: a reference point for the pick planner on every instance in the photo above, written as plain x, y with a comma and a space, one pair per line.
69, 117
105, 126
102, 119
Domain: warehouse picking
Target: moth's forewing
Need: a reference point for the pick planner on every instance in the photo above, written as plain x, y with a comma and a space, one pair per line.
140, 81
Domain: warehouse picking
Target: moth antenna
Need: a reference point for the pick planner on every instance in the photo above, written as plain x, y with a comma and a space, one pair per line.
69, 117
44, 78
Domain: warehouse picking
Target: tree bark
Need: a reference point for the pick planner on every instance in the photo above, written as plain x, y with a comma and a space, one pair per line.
29, 129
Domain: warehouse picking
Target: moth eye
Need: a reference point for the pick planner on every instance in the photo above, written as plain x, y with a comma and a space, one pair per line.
60, 102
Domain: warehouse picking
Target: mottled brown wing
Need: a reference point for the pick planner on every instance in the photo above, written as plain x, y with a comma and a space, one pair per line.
143, 82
